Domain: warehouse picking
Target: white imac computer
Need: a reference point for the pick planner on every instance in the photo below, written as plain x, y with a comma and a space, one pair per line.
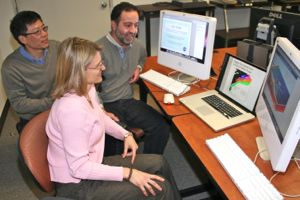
186, 43
278, 107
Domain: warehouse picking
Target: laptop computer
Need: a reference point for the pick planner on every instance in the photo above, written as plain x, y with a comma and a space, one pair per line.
239, 85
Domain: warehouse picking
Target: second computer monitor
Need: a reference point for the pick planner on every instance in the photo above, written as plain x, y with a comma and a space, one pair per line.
278, 107
186, 42
287, 24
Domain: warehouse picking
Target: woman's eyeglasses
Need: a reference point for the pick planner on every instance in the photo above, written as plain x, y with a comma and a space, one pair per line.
100, 66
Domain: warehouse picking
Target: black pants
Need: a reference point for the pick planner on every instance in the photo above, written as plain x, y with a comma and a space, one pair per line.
114, 146
20, 125
136, 113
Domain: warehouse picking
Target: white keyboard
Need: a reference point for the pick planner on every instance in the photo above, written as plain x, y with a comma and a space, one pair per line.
243, 172
164, 82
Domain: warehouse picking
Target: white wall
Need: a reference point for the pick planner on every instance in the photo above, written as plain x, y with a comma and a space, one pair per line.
8, 44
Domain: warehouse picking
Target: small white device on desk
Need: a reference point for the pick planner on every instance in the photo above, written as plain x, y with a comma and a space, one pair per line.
169, 99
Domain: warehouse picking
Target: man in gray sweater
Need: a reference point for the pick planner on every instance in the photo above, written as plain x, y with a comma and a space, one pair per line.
124, 57
28, 73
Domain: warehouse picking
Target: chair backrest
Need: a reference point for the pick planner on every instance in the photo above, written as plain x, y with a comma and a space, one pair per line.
33, 144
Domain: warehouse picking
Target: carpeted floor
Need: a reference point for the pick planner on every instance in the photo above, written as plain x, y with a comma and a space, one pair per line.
16, 184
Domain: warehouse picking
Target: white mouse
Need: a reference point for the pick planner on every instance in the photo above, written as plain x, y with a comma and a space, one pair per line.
169, 99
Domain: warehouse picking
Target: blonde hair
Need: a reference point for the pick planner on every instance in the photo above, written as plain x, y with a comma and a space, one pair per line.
74, 55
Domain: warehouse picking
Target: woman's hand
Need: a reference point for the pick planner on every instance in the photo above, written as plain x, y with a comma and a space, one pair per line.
144, 180
130, 143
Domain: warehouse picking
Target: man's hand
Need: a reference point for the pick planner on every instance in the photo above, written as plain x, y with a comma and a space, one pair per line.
130, 143
111, 115
135, 76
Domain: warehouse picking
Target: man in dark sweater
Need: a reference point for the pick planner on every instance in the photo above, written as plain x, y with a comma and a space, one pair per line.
28, 73
124, 57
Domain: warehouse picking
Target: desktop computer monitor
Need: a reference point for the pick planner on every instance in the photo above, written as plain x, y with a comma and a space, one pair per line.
287, 24
186, 42
278, 106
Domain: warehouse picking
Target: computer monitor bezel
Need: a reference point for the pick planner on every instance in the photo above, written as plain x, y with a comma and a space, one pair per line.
181, 64
280, 151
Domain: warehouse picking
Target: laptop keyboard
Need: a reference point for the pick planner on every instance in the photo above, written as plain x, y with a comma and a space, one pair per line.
221, 106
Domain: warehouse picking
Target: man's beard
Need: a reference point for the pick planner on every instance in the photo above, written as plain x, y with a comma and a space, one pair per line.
122, 37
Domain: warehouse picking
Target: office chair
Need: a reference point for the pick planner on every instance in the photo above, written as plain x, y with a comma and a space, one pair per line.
33, 143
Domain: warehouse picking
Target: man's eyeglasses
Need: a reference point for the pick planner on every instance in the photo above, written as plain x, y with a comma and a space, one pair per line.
38, 32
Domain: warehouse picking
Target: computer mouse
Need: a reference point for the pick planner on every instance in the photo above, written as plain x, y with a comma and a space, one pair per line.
168, 99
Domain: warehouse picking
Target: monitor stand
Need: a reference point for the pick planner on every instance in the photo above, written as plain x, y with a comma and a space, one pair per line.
297, 151
260, 145
265, 155
190, 79
184, 77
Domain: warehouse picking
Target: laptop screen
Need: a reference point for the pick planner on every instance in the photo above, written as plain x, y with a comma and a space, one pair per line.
240, 81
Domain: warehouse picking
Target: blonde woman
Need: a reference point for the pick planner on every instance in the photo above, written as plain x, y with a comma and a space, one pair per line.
76, 129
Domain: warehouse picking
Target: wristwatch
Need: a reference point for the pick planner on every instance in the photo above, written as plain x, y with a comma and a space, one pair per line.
140, 68
127, 134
